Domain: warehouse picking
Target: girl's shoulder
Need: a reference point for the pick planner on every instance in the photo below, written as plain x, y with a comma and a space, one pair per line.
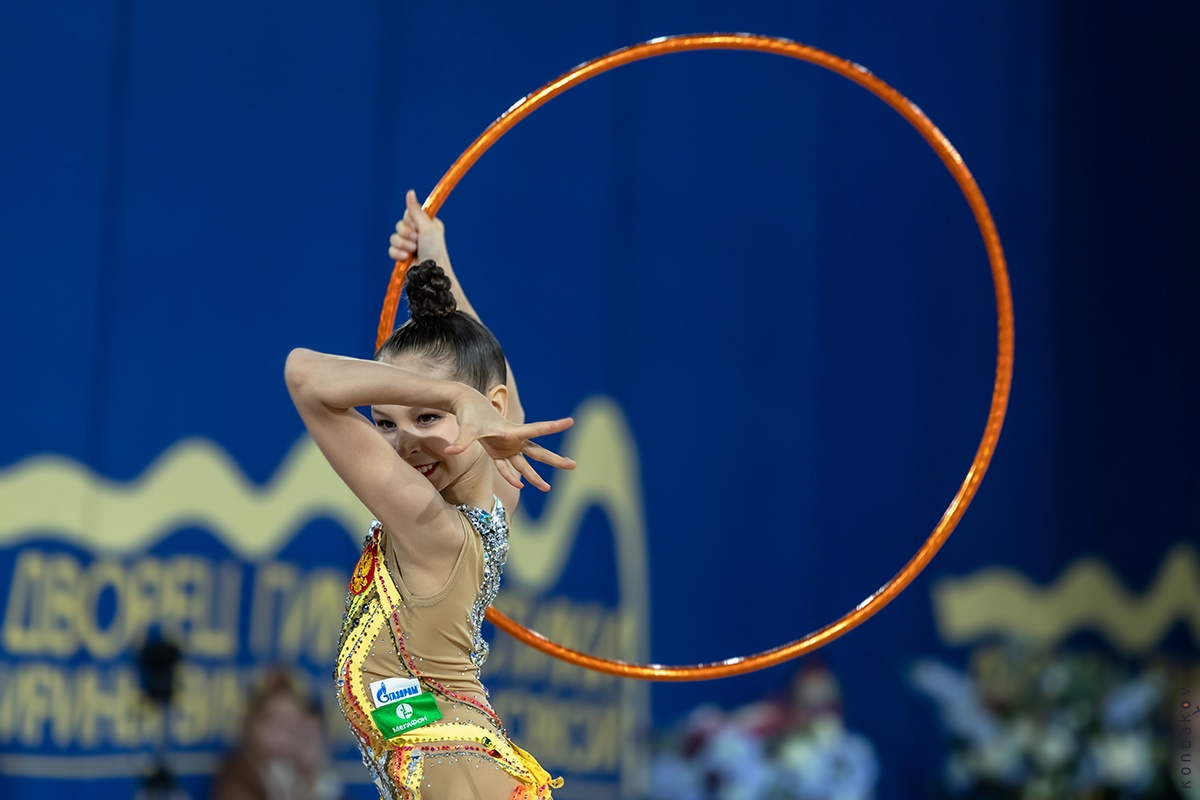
480, 518
492, 527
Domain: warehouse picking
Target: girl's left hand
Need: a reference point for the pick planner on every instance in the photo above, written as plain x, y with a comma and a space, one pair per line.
417, 234
508, 443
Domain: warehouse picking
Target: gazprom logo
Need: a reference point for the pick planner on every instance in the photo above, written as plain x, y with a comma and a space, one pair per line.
391, 691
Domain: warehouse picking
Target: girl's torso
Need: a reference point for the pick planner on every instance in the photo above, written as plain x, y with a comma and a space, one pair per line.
388, 632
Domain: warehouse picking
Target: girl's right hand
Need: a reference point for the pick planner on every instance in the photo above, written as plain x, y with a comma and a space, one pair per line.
508, 443
418, 235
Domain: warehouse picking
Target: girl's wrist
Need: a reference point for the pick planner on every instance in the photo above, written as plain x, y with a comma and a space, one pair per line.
462, 396
439, 256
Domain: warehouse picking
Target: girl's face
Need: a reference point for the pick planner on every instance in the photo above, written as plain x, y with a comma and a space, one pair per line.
420, 436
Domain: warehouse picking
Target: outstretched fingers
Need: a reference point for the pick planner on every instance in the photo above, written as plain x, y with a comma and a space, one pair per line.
508, 472
549, 457
532, 430
527, 471
512, 449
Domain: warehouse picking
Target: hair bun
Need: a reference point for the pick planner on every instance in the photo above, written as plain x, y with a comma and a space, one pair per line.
429, 292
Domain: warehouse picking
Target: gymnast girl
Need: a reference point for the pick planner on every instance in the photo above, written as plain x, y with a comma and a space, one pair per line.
440, 467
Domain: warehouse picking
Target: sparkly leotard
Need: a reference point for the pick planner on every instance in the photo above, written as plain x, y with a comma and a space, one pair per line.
388, 633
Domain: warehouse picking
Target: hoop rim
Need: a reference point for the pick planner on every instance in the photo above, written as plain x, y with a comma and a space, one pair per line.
1004, 316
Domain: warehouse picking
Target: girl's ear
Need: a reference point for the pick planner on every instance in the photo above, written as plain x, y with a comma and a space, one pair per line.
499, 397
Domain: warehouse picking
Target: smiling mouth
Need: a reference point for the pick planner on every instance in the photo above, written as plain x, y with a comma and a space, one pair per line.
426, 469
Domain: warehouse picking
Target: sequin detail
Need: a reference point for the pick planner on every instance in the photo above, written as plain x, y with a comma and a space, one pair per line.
493, 532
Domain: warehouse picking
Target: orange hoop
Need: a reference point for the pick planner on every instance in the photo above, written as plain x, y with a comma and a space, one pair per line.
1004, 313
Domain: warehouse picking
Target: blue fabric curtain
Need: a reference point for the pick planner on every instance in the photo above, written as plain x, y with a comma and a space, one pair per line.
767, 270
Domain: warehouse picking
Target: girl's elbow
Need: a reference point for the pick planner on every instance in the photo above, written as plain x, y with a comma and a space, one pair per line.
298, 369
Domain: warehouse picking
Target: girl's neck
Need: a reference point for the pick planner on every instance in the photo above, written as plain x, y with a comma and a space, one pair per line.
474, 487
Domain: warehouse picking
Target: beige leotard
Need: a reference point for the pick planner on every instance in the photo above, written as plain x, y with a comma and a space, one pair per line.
390, 633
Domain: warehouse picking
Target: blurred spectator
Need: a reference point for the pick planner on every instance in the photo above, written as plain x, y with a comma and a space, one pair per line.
265, 764
318, 779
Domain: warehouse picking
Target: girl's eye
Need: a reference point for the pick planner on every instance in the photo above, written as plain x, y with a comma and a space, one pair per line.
428, 419
385, 424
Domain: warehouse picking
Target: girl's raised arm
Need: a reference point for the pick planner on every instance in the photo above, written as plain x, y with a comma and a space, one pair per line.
326, 390
421, 236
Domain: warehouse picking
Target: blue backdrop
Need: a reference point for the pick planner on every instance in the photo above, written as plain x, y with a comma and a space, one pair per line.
759, 273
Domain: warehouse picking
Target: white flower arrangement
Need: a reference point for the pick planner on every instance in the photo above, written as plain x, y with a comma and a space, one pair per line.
1029, 724
793, 748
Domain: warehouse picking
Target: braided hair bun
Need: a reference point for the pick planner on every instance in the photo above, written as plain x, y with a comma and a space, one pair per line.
429, 291
438, 332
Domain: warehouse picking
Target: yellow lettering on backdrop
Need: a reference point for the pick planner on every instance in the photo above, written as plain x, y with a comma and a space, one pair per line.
191, 716
21, 609
324, 591
61, 605
581, 626
573, 735
42, 706
143, 597
580, 734
108, 704
226, 699
95, 707
54, 602
100, 577
273, 592
291, 615
229, 603
194, 601
8, 702
173, 597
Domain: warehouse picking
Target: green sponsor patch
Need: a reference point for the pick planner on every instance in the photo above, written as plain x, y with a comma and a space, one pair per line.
402, 716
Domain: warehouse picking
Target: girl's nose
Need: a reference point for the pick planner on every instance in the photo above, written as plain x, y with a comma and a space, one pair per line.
406, 443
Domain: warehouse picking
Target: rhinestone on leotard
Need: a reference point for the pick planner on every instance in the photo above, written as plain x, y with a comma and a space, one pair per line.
493, 532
